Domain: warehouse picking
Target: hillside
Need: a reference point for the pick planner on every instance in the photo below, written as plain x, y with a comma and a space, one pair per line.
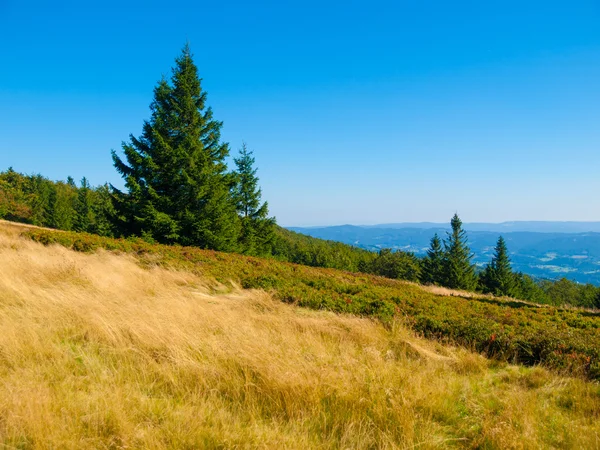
37, 200
113, 350
506, 329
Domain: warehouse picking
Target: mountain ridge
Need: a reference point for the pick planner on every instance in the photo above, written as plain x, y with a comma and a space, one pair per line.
535, 226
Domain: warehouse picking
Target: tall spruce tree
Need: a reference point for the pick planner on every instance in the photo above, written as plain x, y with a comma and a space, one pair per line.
257, 229
459, 273
178, 187
103, 211
84, 217
498, 277
64, 206
432, 271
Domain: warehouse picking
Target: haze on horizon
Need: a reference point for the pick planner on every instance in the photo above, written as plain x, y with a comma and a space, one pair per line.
395, 112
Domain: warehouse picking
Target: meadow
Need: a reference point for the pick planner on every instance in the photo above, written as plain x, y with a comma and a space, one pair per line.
563, 339
127, 345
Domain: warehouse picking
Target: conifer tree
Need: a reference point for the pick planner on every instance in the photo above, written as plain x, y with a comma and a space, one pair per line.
63, 204
84, 215
40, 190
257, 233
103, 211
498, 277
459, 273
433, 263
178, 188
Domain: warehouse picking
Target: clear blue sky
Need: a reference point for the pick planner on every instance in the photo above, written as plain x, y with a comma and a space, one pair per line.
358, 112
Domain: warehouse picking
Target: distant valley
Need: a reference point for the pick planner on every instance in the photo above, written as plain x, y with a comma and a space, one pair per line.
542, 249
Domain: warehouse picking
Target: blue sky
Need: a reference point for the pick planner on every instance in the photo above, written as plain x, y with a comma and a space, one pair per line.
358, 112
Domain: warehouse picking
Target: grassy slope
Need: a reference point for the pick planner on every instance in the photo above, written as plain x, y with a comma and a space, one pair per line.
98, 352
566, 340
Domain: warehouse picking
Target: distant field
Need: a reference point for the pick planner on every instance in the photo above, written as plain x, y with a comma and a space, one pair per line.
161, 347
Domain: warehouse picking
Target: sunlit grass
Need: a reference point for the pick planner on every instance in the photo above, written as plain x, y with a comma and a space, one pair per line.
97, 352
564, 339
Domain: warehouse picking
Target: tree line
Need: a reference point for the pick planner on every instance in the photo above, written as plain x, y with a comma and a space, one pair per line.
68, 206
63, 205
448, 264
179, 190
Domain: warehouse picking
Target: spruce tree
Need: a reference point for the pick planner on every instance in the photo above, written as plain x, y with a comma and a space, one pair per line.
257, 232
433, 264
498, 277
103, 211
178, 187
63, 204
459, 273
39, 190
84, 217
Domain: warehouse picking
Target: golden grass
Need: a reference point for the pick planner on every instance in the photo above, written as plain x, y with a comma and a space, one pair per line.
96, 352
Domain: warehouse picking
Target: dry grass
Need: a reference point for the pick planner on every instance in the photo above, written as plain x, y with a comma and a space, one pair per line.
96, 352
447, 292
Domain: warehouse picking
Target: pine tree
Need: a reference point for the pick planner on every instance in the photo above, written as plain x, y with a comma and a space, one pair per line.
175, 173
433, 264
63, 205
498, 277
257, 232
103, 211
459, 273
84, 218
39, 191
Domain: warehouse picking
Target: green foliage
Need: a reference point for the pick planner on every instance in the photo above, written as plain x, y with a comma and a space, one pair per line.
63, 205
257, 233
39, 201
103, 211
527, 289
85, 214
562, 339
432, 265
4, 199
301, 249
566, 292
396, 265
459, 273
309, 251
40, 195
175, 173
498, 277
14, 197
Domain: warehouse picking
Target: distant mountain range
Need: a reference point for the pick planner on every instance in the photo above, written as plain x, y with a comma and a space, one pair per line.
504, 227
542, 249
